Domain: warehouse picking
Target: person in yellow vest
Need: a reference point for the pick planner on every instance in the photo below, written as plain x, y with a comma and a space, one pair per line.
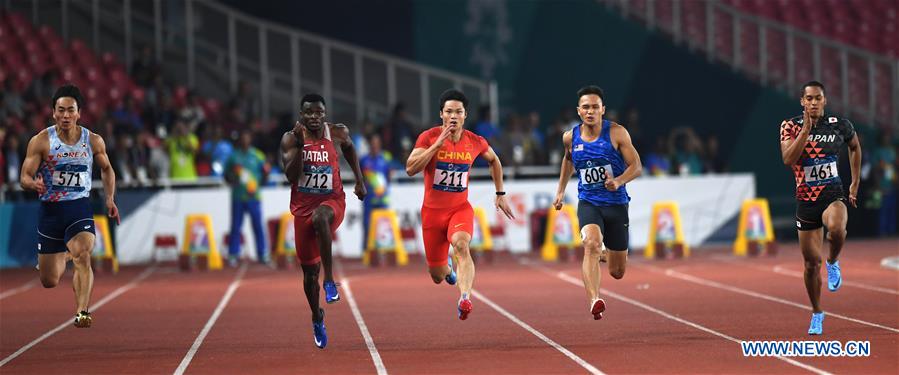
246, 170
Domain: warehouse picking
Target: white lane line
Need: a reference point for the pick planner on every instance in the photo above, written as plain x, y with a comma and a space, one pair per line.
109, 297
580, 361
19, 289
212, 319
579, 283
714, 284
369, 342
890, 263
787, 272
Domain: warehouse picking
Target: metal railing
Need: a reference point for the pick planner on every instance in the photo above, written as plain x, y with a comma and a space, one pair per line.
874, 96
211, 47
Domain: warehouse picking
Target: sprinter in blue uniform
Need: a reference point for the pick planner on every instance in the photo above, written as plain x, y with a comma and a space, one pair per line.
601, 153
58, 167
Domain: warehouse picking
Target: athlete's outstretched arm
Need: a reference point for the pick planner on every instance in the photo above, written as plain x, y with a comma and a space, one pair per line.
566, 170
33, 156
107, 174
634, 169
420, 157
790, 147
496, 171
855, 165
291, 154
349, 153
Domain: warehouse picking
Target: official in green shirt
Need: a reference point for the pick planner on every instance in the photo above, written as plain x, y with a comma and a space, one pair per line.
246, 170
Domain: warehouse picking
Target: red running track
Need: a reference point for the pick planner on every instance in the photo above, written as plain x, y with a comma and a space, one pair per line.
681, 316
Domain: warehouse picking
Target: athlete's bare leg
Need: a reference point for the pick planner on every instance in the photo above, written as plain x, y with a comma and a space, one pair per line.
83, 281
617, 263
322, 218
52, 267
811, 242
835, 218
464, 265
310, 286
590, 270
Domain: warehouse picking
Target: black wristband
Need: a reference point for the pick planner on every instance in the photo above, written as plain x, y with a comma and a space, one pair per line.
500, 193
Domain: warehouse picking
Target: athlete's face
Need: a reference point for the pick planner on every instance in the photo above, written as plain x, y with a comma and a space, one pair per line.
813, 101
590, 108
66, 112
453, 114
313, 115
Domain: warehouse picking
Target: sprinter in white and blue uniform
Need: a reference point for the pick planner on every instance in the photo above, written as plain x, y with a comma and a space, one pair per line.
58, 166
601, 153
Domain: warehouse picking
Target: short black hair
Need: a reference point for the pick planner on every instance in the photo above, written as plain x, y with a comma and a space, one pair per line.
67, 90
591, 90
811, 84
312, 98
453, 94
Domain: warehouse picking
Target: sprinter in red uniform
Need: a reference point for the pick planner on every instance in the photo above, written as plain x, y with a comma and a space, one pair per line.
317, 201
445, 154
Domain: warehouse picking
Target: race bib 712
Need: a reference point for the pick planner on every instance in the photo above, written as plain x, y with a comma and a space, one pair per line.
316, 179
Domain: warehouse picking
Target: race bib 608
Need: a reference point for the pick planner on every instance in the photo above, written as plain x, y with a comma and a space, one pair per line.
594, 176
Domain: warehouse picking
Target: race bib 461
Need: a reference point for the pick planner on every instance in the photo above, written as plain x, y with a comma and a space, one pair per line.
820, 173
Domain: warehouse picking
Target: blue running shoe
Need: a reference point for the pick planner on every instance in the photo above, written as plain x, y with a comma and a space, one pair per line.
451, 278
318, 332
817, 324
331, 294
834, 278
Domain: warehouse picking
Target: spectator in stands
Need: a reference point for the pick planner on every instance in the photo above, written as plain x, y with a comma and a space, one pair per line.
127, 118
513, 140
246, 171
182, 147
533, 146
3, 166
686, 146
884, 168
131, 158
398, 132
158, 164
13, 103
491, 132
484, 127
714, 162
246, 103
12, 154
156, 94
658, 162
217, 149
4, 114
192, 114
377, 174
634, 129
42, 87
554, 149
145, 68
